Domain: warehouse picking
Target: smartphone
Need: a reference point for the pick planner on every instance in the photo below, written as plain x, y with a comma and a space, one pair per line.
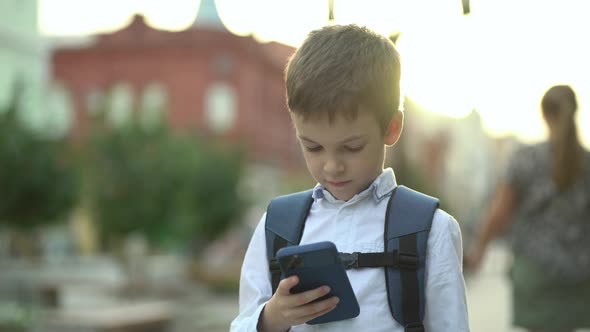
318, 264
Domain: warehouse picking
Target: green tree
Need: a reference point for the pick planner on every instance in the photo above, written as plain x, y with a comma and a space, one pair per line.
162, 184
38, 183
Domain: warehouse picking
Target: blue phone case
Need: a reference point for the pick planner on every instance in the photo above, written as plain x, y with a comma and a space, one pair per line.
316, 265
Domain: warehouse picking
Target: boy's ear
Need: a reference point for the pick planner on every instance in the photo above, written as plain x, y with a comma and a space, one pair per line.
394, 130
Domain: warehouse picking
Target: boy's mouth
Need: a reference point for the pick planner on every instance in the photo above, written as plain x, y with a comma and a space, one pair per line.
338, 184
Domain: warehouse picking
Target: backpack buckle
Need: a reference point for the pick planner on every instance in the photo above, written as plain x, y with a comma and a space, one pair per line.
350, 260
407, 260
274, 266
414, 327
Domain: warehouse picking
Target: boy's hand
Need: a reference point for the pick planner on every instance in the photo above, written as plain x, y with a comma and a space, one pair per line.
284, 309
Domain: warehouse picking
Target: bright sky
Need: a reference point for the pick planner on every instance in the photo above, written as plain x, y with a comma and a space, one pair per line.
499, 59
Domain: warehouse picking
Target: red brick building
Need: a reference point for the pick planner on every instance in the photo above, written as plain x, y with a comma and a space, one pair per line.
203, 78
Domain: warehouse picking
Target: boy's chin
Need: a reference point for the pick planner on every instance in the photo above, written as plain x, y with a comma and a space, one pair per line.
346, 191
341, 194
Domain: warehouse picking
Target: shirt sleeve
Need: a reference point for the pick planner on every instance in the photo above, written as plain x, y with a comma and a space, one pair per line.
446, 303
255, 287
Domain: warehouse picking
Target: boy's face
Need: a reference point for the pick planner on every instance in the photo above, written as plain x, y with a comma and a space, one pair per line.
345, 156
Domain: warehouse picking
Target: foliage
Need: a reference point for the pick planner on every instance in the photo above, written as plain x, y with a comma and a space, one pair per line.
38, 184
412, 175
162, 184
295, 182
15, 317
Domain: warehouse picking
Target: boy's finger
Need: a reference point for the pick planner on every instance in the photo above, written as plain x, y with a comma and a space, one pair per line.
317, 309
311, 295
286, 284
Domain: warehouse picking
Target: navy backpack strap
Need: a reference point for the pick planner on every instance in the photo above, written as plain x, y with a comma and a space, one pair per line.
407, 225
285, 220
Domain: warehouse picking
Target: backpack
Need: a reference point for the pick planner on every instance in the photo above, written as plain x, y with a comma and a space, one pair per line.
407, 224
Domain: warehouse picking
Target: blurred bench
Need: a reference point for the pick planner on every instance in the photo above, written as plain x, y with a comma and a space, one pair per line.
52, 293
132, 317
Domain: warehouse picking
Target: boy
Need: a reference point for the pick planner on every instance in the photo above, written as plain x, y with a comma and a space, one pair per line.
343, 93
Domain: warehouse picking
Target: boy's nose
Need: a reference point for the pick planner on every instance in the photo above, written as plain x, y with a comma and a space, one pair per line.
333, 166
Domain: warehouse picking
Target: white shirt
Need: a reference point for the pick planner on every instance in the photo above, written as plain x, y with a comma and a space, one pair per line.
357, 226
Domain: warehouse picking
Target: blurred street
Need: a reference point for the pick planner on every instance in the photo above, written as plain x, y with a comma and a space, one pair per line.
488, 293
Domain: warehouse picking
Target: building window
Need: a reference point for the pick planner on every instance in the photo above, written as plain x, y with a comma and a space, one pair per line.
59, 117
95, 102
220, 107
154, 102
121, 104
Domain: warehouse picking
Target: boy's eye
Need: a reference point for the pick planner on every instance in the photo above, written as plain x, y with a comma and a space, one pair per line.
354, 148
313, 148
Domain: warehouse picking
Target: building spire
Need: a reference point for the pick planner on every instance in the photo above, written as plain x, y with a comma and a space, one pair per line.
208, 17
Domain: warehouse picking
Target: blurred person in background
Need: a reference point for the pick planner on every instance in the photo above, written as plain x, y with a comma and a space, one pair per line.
544, 202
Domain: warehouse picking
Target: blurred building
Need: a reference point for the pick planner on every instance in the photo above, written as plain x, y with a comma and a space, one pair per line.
24, 67
22, 57
203, 78
453, 159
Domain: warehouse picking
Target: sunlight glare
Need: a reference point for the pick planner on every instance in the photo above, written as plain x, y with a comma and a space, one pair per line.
68, 18
269, 20
174, 17
437, 58
383, 16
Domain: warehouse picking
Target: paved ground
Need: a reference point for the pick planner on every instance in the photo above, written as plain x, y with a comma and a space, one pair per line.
207, 311
488, 294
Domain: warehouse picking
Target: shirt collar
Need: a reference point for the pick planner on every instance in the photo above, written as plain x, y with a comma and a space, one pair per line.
380, 188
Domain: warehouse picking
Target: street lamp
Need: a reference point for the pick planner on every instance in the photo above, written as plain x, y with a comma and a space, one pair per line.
331, 11
466, 7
